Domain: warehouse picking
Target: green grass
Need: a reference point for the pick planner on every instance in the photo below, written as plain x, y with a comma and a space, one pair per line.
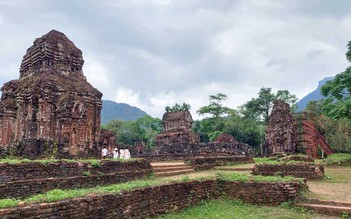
265, 160
338, 160
231, 209
274, 161
233, 176
9, 202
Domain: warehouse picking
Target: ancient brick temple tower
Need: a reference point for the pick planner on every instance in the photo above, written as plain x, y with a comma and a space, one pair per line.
177, 128
51, 107
293, 133
280, 135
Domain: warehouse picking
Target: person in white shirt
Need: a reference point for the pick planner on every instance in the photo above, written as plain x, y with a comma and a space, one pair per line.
104, 152
121, 153
126, 154
115, 153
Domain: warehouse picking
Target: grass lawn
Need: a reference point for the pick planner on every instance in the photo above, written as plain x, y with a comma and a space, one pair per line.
230, 209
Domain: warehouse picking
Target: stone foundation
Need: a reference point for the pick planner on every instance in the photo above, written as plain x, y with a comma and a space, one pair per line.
205, 163
233, 148
261, 192
157, 200
300, 170
26, 179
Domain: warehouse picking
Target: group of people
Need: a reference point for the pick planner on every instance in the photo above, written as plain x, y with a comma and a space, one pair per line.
122, 153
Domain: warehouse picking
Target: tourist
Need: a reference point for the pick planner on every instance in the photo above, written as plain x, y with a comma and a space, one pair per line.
126, 154
121, 153
115, 153
104, 152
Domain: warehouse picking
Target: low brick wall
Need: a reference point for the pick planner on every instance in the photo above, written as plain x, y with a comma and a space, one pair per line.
268, 193
157, 200
204, 163
30, 180
37, 170
300, 170
26, 188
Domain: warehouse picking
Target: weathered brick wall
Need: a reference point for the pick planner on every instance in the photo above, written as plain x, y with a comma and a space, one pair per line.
34, 181
139, 203
184, 156
269, 193
235, 148
25, 188
301, 170
203, 163
157, 200
36, 170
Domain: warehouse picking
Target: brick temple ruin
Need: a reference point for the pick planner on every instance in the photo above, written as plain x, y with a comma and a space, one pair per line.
51, 107
177, 139
177, 128
292, 133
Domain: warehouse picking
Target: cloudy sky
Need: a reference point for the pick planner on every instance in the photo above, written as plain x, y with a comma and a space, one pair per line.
154, 53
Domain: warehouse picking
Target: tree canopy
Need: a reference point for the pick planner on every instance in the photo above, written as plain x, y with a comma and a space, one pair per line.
129, 132
337, 104
260, 107
178, 107
215, 109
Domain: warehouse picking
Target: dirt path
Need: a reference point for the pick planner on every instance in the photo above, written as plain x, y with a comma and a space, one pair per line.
337, 186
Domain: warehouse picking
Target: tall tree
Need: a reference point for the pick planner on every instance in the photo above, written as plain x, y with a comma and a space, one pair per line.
260, 107
215, 109
215, 121
289, 98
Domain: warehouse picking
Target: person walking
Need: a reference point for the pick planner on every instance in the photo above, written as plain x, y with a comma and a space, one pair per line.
115, 153
104, 152
126, 154
121, 153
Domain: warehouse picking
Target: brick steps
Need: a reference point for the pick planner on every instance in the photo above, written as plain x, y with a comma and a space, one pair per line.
338, 209
163, 169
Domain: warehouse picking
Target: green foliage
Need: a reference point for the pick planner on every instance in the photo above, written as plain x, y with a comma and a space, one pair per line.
95, 163
212, 136
215, 109
247, 130
9, 202
178, 107
260, 107
337, 104
345, 214
86, 173
142, 130
337, 132
225, 120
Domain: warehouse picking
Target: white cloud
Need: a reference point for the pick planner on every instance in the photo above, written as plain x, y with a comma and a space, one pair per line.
156, 53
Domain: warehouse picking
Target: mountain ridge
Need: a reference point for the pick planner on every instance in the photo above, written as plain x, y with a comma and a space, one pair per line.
119, 111
314, 95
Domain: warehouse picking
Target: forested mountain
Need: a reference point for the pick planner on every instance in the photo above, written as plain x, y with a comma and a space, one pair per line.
120, 111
